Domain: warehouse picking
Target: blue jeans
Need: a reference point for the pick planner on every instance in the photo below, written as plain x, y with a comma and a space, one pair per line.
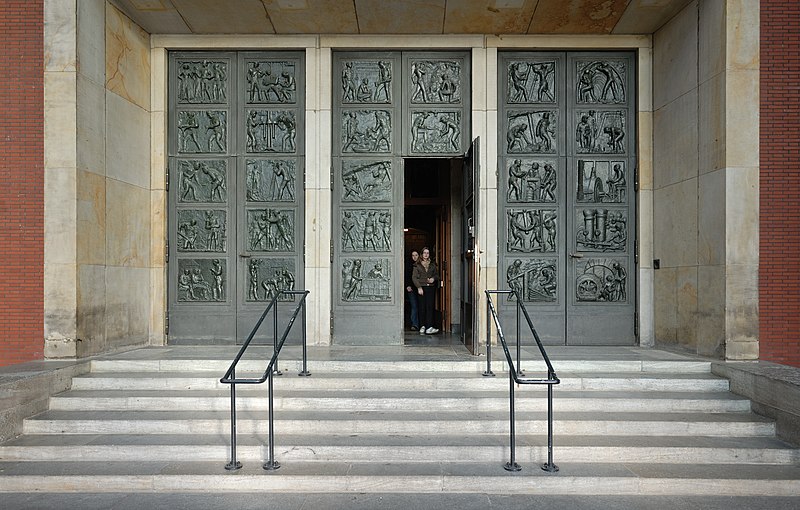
411, 297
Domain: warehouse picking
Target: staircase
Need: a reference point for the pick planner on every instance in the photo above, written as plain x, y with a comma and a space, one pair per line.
160, 423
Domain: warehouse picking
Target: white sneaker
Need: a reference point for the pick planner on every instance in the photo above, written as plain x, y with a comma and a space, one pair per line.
431, 331
422, 330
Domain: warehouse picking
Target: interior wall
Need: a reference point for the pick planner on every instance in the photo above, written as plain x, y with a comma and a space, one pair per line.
705, 179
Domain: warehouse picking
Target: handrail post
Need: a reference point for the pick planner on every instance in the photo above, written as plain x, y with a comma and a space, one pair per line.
304, 372
512, 464
275, 337
271, 464
488, 372
233, 464
550, 467
520, 372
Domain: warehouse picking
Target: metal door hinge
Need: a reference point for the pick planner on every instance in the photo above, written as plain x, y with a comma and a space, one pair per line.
166, 322
332, 177
636, 178
331, 251
166, 252
166, 179
331, 322
636, 251
636, 324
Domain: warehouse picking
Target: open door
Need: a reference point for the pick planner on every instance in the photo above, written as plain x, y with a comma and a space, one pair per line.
469, 262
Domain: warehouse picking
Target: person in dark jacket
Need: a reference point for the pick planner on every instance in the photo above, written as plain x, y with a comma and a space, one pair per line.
426, 278
411, 289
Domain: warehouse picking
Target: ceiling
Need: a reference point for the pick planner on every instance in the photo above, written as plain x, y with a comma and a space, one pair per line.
401, 16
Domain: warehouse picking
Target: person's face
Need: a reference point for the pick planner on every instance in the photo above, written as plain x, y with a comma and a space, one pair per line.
426, 254
414, 256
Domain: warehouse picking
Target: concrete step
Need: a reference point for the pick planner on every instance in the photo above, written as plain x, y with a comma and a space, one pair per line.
407, 381
528, 399
404, 364
400, 422
573, 478
385, 448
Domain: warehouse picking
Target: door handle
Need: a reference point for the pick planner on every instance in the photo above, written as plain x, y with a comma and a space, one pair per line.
576, 255
245, 255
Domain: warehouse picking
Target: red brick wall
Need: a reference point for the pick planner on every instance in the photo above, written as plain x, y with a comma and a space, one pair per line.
779, 275
21, 181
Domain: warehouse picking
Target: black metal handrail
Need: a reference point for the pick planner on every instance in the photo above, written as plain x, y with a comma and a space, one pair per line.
272, 368
516, 374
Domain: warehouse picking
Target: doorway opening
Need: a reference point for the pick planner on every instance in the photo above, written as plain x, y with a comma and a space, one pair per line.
432, 197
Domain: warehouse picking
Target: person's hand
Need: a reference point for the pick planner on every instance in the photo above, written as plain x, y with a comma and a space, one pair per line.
430, 280
408, 289
419, 291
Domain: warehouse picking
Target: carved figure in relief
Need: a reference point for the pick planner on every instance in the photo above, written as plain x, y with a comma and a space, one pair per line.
350, 130
287, 124
185, 84
385, 219
548, 184
201, 82
187, 131
213, 227
516, 176
187, 232
286, 87
602, 230
533, 280
348, 224
615, 135
549, 223
544, 132
185, 283
514, 277
602, 280
616, 184
217, 182
282, 181
586, 86
189, 182
366, 181
261, 233
217, 273
451, 131
252, 268
200, 289
353, 286
600, 79
418, 72
519, 73
254, 81
219, 78
543, 90
364, 93
380, 133
517, 139
369, 232
613, 81
384, 82
217, 129
447, 88
418, 131
583, 133
348, 85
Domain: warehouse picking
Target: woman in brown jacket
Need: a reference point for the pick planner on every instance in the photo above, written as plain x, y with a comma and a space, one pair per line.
426, 278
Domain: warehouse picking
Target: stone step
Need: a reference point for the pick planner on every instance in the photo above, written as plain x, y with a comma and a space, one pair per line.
382, 448
571, 479
471, 364
399, 422
408, 381
528, 399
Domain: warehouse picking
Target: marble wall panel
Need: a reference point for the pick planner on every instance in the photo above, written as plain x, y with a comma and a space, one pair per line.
665, 305
91, 40
158, 299
675, 141
318, 280
127, 141
742, 36
91, 219
646, 295
675, 57
711, 218
127, 225
60, 301
60, 41
675, 224
479, 80
91, 128
741, 305
127, 58
60, 215
396, 17
645, 147
711, 327
127, 314
686, 300
91, 305
742, 118
712, 46
60, 116
644, 225
711, 130
742, 216
158, 226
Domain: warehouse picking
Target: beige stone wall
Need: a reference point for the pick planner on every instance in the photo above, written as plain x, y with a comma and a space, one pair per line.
97, 180
705, 179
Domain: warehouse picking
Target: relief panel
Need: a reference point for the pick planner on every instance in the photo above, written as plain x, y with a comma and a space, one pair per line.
601, 81
531, 131
600, 131
366, 230
203, 180
202, 81
531, 81
202, 131
270, 229
601, 182
366, 181
271, 131
436, 132
435, 81
271, 82
601, 230
202, 280
531, 180
536, 280
202, 230
367, 131
531, 230
366, 279
271, 180
601, 280
266, 277
366, 81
